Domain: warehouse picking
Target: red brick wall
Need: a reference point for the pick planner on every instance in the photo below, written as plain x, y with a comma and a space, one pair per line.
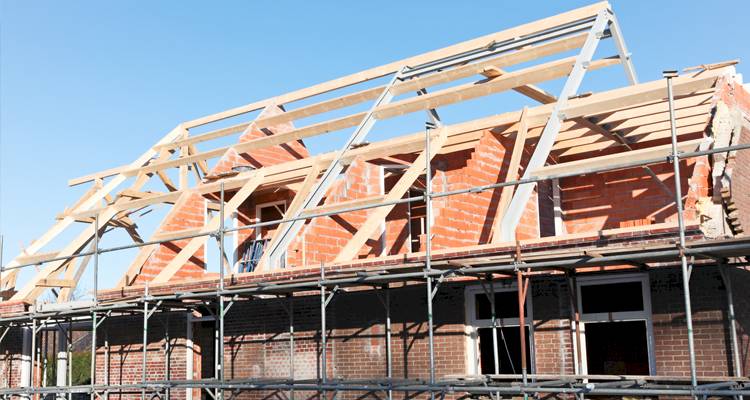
125, 338
710, 323
740, 281
191, 213
629, 197
323, 238
257, 346
467, 219
11, 349
553, 341
741, 181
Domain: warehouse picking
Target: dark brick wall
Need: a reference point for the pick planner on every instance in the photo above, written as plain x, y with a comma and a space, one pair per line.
257, 344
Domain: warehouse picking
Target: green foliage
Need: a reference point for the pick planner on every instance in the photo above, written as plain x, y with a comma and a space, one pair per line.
81, 364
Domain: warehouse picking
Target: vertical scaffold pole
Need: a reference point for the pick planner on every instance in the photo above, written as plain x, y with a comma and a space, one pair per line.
32, 382
388, 349
522, 286
681, 222
291, 344
493, 319
70, 356
93, 311
145, 343
428, 255
324, 350
219, 295
736, 355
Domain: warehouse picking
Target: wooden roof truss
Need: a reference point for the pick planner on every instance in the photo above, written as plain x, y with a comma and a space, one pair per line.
311, 177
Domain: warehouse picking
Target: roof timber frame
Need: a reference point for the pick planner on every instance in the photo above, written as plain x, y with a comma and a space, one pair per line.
581, 28
574, 67
463, 135
549, 28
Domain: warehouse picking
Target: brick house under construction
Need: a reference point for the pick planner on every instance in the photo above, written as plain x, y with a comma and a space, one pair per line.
544, 250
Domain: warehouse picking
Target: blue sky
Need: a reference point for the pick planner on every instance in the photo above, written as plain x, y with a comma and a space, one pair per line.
86, 85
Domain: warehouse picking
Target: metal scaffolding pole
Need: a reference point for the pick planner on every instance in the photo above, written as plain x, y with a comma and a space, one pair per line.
575, 322
324, 351
428, 255
32, 381
70, 356
145, 341
736, 356
523, 285
219, 296
291, 342
388, 348
93, 312
675, 158
106, 362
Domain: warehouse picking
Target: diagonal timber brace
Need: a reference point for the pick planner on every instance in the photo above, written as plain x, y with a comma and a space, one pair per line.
288, 231
399, 189
197, 242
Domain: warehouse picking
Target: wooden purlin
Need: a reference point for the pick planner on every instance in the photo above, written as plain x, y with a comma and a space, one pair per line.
646, 154
468, 70
540, 73
381, 71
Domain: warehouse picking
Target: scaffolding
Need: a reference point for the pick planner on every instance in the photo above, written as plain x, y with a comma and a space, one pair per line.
584, 27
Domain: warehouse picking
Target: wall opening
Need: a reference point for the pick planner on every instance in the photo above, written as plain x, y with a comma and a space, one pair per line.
616, 329
508, 350
482, 349
617, 348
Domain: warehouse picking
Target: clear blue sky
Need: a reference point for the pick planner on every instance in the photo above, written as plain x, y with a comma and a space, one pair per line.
88, 85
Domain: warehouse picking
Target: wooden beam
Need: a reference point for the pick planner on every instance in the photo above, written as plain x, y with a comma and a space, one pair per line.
321, 107
464, 92
512, 174
530, 91
38, 258
525, 76
145, 252
326, 208
294, 207
215, 134
166, 180
460, 72
641, 140
378, 215
97, 175
30, 291
61, 283
195, 243
390, 68
464, 71
617, 158
71, 272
